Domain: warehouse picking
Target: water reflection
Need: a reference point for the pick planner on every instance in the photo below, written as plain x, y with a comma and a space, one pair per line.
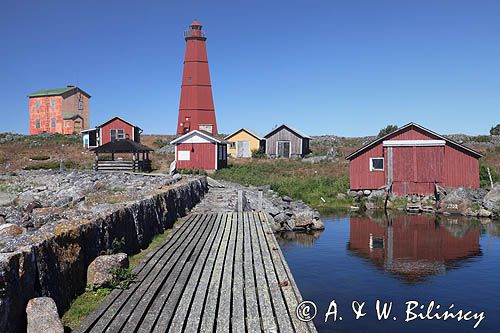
414, 246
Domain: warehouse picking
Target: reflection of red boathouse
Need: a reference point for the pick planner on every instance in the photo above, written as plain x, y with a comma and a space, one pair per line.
413, 246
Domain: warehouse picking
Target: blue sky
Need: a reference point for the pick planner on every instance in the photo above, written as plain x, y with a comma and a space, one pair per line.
325, 67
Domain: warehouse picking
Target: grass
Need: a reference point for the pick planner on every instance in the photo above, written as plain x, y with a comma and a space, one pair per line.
82, 306
40, 157
301, 181
155, 242
87, 302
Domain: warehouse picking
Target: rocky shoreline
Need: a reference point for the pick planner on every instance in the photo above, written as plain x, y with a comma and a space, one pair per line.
483, 203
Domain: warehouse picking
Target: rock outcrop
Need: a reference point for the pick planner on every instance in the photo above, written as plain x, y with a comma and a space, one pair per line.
491, 200
52, 260
42, 316
100, 271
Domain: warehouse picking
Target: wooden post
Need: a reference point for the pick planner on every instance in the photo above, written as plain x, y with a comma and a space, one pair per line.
240, 201
489, 175
112, 156
259, 201
96, 161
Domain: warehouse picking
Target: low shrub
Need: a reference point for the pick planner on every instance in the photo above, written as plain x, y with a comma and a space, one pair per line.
40, 157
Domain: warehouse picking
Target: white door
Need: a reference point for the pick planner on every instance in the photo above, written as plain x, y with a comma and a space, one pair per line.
243, 149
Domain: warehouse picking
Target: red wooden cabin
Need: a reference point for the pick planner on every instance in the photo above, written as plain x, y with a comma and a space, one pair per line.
198, 150
411, 160
114, 129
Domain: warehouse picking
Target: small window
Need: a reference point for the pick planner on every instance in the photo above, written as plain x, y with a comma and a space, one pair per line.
37, 105
80, 105
117, 134
37, 123
377, 164
232, 145
53, 104
67, 124
53, 122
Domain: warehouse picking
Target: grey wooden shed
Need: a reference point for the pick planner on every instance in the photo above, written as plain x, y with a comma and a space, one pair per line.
286, 142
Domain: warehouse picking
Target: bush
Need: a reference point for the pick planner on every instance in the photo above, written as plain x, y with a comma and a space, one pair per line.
40, 157
117, 245
388, 129
495, 130
258, 153
122, 278
193, 172
480, 138
484, 178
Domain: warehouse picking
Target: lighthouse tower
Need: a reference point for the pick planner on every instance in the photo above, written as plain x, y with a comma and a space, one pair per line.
196, 108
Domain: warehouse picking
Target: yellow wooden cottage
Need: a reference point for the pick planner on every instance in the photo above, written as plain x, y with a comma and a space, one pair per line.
242, 142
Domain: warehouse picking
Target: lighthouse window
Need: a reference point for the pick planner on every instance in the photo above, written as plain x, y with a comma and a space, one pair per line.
52, 104
37, 123
377, 164
53, 122
80, 105
37, 105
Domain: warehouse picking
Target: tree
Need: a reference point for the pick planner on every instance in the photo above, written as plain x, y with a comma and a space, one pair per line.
495, 130
388, 129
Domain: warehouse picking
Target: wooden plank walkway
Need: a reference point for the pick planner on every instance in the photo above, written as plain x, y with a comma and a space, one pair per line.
215, 273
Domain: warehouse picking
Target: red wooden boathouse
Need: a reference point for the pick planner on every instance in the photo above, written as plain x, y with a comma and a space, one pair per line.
411, 160
198, 150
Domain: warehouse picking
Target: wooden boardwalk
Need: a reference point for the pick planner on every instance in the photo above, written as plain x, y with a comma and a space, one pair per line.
215, 273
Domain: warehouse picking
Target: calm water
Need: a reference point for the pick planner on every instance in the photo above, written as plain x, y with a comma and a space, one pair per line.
413, 257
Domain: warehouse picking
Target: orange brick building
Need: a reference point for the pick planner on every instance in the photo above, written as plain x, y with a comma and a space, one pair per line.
62, 110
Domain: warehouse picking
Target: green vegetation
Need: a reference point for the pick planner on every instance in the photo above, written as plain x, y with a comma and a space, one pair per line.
117, 245
480, 138
290, 178
193, 172
258, 153
495, 130
87, 302
484, 178
155, 242
388, 129
82, 306
39, 157
54, 164
122, 278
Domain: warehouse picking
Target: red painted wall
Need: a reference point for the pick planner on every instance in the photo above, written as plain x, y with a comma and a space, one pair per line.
115, 124
416, 169
415, 238
202, 156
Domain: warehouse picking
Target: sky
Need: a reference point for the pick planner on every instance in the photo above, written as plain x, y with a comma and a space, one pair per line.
346, 68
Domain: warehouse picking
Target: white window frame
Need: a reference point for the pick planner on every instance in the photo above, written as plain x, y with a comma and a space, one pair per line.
120, 134
184, 155
377, 158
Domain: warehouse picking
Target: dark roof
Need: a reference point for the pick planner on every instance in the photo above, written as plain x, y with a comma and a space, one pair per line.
122, 146
114, 118
377, 141
73, 117
56, 91
298, 133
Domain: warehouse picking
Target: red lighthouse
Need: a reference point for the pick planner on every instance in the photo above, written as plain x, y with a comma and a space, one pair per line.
196, 109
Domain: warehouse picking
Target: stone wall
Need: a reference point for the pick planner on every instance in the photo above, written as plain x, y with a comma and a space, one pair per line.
56, 267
